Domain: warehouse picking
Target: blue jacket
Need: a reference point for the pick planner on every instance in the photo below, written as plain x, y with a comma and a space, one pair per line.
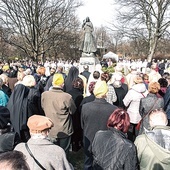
3, 98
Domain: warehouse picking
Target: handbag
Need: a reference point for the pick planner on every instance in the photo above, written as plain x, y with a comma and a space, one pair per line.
29, 151
8, 141
139, 123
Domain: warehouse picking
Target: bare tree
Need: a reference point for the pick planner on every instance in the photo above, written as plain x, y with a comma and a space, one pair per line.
34, 25
150, 16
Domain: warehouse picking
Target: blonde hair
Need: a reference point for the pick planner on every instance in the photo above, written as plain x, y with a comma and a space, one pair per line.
154, 87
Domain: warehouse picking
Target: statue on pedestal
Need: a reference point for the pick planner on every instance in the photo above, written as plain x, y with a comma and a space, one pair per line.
88, 44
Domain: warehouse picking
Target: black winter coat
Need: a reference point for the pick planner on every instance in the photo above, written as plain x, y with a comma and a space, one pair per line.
113, 151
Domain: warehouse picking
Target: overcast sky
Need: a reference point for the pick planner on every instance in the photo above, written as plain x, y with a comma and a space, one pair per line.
100, 12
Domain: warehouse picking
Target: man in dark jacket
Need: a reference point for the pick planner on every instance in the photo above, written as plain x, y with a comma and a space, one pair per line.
94, 117
86, 72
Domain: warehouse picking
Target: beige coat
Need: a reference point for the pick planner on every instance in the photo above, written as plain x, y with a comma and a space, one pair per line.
59, 106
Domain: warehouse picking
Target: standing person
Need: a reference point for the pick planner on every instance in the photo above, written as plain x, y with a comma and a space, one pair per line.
86, 72
88, 98
154, 75
77, 95
132, 101
153, 147
120, 88
5, 86
130, 76
163, 87
150, 102
40, 78
34, 96
167, 100
145, 80
41, 147
8, 140
60, 70
88, 44
161, 66
94, 117
111, 149
59, 106
72, 75
18, 107
93, 78
3, 96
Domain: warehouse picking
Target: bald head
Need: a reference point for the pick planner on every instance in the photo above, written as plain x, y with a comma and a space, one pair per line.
158, 117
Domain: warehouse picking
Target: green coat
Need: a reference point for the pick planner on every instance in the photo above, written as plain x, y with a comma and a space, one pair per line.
153, 149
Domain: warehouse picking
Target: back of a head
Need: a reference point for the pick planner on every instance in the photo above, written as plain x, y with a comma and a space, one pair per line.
78, 83
120, 120
157, 117
100, 89
29, 81
4, 77
96, 74
153, 87
105, 77
13, 160
91, 86
163, 82
38, 123
58, 80
41, 70
59, 69
72, 74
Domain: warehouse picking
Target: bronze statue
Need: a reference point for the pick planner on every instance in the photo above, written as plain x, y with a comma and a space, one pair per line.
88, 44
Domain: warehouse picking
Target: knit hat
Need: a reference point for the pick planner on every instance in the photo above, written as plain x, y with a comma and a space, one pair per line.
37, 123
5, 67
100, 89
58, 80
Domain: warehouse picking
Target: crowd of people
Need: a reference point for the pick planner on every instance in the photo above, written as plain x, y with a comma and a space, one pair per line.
120, 119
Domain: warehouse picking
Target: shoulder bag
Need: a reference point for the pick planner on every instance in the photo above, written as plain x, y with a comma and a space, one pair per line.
29, 151
138, 125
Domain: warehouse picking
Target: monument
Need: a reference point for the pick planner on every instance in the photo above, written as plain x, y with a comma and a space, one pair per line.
88, 46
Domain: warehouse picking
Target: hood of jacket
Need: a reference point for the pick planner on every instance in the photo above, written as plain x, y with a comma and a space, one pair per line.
141, 88
158, 140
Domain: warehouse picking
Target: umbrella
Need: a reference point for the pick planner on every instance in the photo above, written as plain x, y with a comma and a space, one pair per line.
111, 55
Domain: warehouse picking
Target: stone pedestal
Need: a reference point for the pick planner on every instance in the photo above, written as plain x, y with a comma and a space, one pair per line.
88, 59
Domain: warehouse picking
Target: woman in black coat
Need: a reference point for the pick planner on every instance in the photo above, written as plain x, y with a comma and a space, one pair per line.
18, 107
72, 75
8, 140
77, 95
111, 149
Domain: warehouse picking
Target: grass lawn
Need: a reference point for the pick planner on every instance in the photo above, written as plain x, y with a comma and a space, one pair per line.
77, 159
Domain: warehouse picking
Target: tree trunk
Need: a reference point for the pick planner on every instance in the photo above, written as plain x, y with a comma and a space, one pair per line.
152, 49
